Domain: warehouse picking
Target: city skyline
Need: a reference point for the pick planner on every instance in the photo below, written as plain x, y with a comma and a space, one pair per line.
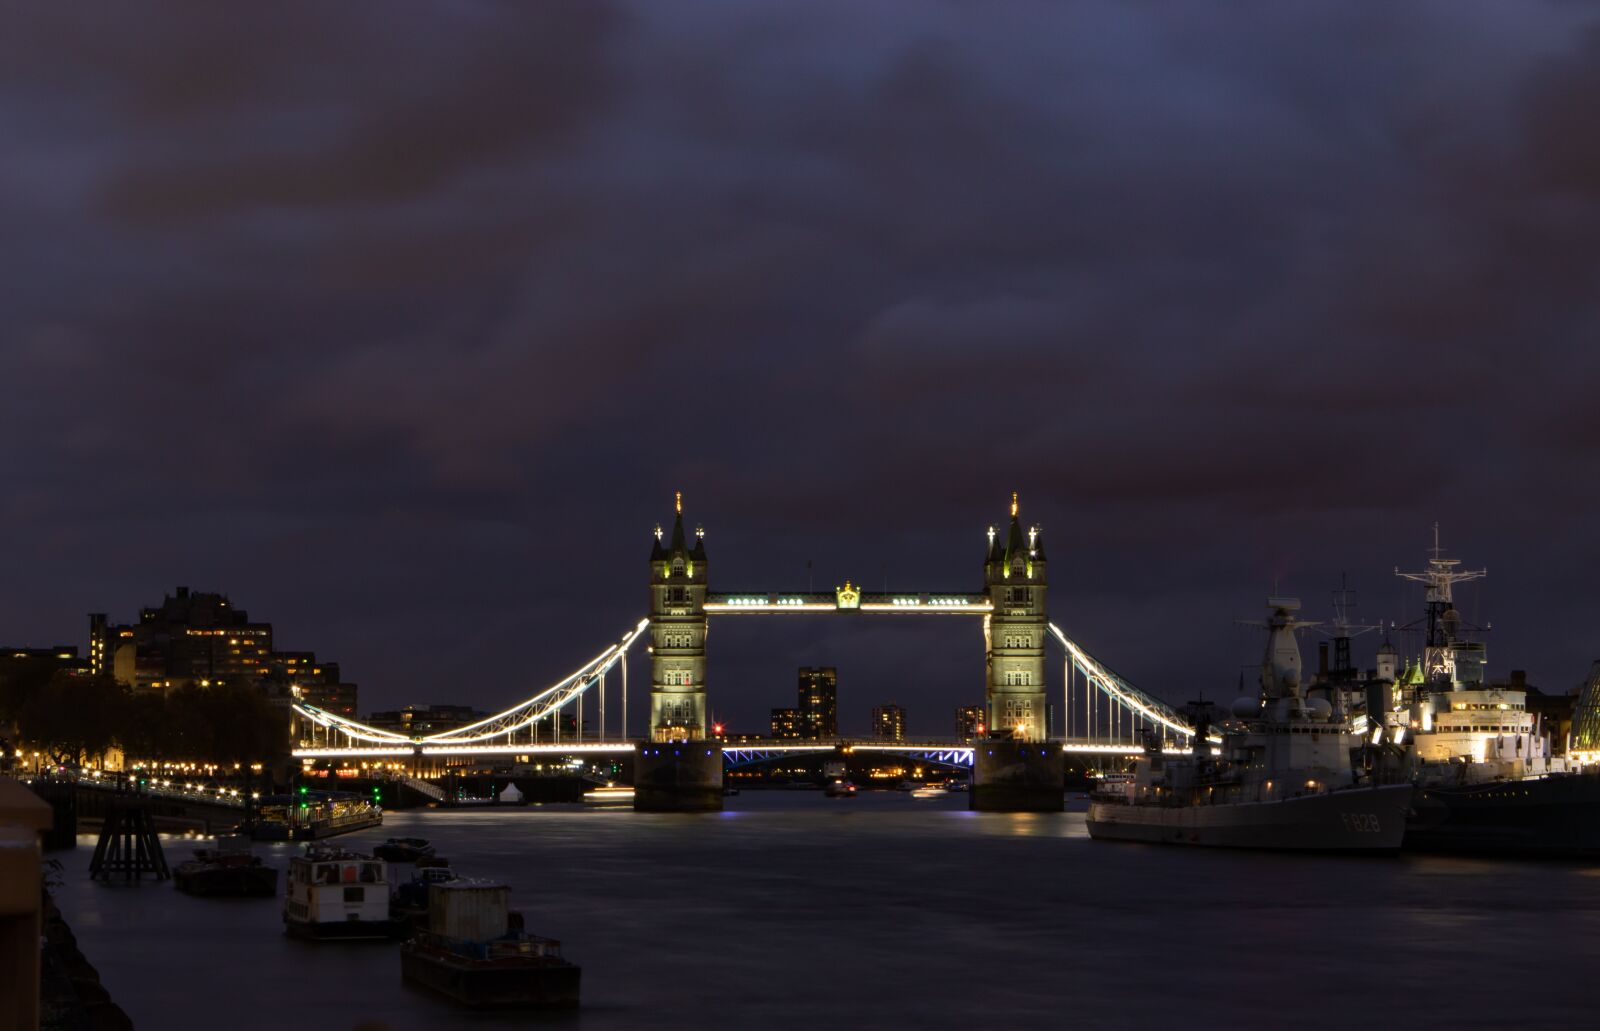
739, 708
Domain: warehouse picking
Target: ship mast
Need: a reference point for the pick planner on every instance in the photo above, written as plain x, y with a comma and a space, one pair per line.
1443, 620
1342, 630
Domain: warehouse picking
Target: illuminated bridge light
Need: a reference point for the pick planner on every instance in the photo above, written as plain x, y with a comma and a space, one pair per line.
529, 749
347, 738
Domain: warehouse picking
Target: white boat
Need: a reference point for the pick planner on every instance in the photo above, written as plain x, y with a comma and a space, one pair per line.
1282, 779
335, 894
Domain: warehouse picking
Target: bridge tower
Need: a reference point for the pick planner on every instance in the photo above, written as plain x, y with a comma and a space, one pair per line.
1016, 583
678, 769
678, 635
1016, 769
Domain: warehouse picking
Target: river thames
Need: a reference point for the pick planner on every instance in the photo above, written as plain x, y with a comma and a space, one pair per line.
793, 910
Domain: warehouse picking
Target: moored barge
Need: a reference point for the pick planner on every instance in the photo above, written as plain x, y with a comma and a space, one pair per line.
227, 870
475, 953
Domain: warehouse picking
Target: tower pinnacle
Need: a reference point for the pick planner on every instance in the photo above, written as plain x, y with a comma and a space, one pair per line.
1013, 504
678, 501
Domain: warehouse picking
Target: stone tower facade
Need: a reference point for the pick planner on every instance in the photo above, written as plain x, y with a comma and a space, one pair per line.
1016, 582
678, 635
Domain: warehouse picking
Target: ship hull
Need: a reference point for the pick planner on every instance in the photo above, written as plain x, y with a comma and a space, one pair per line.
1551, 817
505, 984
1362, 820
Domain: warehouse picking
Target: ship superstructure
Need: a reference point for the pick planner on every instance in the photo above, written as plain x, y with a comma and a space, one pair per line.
1282, 778
1456, 727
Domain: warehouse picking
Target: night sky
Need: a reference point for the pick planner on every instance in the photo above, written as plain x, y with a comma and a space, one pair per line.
400, 324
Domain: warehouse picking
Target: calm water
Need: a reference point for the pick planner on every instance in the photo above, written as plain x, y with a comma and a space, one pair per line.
792, 910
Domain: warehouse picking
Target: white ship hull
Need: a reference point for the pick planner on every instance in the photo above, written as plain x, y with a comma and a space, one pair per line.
1355, 820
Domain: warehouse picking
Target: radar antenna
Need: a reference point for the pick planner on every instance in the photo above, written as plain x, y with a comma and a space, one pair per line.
1441, 575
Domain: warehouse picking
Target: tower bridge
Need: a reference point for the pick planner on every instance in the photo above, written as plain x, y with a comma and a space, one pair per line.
1017, 766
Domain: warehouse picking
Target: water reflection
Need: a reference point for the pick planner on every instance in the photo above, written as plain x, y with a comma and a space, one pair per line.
792, 910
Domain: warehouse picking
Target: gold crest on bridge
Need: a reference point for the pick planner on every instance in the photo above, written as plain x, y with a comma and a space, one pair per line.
847, 597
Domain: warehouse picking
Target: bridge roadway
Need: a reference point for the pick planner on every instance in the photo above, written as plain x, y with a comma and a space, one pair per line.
173, 805
190, 794
734, 755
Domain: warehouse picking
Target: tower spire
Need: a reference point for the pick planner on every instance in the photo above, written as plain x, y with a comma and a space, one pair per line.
678, 501
1013, 504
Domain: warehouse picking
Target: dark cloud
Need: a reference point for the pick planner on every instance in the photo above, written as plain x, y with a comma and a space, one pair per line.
1560, 105
401, 322
346, 110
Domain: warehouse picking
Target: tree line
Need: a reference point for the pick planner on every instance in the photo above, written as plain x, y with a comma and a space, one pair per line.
76, 717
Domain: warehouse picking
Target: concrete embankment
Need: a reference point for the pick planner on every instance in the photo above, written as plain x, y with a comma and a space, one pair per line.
71, 997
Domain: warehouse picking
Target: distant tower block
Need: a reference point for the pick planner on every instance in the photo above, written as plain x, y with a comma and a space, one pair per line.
678, 769
1016, 768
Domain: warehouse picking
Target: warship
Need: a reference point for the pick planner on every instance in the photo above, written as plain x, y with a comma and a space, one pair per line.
1281, 776
1487, 781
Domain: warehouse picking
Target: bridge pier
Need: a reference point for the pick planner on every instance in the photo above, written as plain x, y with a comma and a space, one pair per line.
63, 802
677, 777
1017, 777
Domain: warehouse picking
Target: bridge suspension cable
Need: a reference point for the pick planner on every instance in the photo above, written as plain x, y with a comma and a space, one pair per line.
502, 725
1100, 681
1118, 689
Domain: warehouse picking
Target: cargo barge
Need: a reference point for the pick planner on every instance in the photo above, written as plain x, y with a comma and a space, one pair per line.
475, 953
